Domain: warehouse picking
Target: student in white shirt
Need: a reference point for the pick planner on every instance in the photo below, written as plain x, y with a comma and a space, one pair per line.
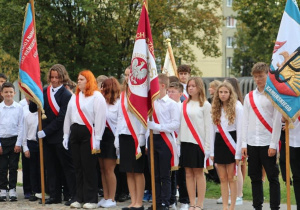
131, 163
83, 129
11, 138
260, 136
175, 90
166, 120
31, 150
195, 139
225, 139
110, 89
184, 73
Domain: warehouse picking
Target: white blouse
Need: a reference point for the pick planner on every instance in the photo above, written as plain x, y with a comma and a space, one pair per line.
236, 126
93, 108
201, 119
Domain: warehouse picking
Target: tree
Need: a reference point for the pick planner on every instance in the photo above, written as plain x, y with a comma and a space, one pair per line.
259, 22
99, 35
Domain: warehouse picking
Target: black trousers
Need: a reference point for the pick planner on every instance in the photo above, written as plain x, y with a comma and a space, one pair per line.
122, 187
181, 181
8, 162
162, 167
173, 187
58, 159
295, 166
26, 174
34, 166
258, 157
85, 165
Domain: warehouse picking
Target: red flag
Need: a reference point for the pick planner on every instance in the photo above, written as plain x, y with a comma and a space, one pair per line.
143, 81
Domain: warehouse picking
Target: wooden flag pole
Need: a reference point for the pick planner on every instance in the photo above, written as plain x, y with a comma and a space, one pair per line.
41, 158
172, 56
40, 123
287, 160
152, 169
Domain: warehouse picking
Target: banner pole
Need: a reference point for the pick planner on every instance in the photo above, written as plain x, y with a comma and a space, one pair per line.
172, 56
287, 160
41, 158
152, 168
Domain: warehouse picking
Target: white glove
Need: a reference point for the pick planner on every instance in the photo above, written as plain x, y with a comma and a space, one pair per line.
97, 144
116, 142
154, 126
207, 155
41, 134
118, 152
178, 150
142, 140
65, 143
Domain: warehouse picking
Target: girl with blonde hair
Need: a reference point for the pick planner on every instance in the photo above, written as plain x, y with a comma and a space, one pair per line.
225, 143
195, 138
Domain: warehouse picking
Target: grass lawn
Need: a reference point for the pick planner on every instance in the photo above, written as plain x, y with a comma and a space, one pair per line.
213, 190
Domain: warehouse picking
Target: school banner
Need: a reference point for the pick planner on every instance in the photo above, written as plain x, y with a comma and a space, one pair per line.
170, 68
29, 65
283, 82
143, 81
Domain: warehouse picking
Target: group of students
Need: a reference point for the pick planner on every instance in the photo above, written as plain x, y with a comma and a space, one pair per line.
95, 126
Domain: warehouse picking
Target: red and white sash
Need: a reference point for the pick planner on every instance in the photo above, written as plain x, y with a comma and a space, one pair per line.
89, 125
128, 118
171, 143
259, 112
207, 162
229, 141
52, 102
110, 126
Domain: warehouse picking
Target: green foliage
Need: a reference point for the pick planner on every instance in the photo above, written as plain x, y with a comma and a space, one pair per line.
99, 35
9, 66
259, 22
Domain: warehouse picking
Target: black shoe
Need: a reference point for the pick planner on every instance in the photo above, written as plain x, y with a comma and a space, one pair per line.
125, 208
51, 201
27, 195
32, 198
123, 197
71, 200
67, 197
137, 208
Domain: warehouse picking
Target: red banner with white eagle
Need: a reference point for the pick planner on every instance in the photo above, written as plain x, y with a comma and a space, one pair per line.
143, 81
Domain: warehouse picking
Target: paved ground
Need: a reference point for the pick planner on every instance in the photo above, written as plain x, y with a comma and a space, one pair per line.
209, 204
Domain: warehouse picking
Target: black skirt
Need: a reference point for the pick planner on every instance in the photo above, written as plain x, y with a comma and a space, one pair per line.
191, 156
128, 161
222, 153
107, 146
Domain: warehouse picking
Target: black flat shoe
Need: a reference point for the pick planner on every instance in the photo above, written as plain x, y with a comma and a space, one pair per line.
126, 208
51, 201
137, 208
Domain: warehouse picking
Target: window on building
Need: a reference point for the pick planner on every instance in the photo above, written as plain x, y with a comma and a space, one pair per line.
229, 3
230, 41
231, 22
228, 62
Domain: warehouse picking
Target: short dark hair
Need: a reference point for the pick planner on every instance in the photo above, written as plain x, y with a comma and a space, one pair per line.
3, 76
7, 85
184, 68
177, 85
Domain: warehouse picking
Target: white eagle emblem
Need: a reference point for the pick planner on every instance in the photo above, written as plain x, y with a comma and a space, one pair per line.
138, 71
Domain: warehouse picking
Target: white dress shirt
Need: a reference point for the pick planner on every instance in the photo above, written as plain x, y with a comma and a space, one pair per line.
254, 133
11, 121
122, 125
112, 113
295, 134
184, 90
201, 119
93, 107
168, 114
30, 126
54, 90
236, 126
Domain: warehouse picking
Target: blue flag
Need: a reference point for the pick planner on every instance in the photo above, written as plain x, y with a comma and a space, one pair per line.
29, 69
283, 83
